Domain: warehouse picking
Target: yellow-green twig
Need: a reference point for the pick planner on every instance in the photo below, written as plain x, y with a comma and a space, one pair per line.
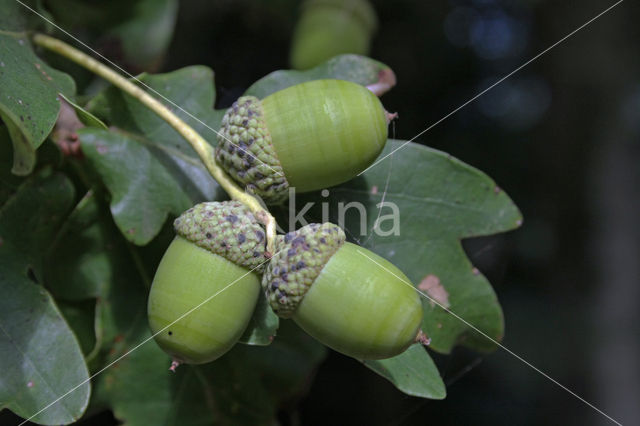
199, 144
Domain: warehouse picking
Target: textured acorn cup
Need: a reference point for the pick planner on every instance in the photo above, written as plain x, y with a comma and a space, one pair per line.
331, 27
340, 297
217, 245
308, 136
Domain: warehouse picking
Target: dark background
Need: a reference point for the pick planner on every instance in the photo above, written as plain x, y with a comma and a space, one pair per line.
561, 137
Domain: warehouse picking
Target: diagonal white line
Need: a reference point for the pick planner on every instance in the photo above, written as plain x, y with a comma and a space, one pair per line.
143, 342
151, 89
493, 85
494, 341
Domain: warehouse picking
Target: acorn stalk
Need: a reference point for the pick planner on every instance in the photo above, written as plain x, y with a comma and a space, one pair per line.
207, 284
339, 297
308, 136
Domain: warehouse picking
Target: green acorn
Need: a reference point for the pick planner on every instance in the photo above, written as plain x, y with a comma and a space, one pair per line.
308, 136
219, 250
331, 27
340, 296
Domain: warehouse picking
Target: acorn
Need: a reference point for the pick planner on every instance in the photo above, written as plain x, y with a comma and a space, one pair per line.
335, 292
309, 136
208, 282
327, 28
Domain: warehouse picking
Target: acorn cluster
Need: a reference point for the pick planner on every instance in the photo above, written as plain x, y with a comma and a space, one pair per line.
309, 136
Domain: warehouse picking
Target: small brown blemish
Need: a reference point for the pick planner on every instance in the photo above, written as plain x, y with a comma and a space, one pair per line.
436, 292
439, 325
374, 190
386, 80
422, 338
174, 364
131, 231
118, 338
497, 189
475, 271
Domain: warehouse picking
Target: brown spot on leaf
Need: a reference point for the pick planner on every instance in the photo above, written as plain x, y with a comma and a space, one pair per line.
386, 80
475, 271
436, 292
497, 190
374, 190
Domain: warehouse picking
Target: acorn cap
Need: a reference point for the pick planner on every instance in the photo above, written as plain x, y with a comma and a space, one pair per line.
245, 151
299, 258
228, 229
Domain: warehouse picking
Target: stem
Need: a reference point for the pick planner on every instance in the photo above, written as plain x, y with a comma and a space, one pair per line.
199, 144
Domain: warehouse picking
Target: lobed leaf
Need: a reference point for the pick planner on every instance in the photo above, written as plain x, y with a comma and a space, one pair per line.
143, 190
148, 168
29, 102
42, 359
438, 201
355, 68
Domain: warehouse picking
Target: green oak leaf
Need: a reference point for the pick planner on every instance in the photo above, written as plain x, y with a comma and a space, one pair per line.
143, 190
189, 92
87, 255
29, 103
148, 168
42, 358
413, 372
85, 116
355, 68
439, 200
262, 326
9, 182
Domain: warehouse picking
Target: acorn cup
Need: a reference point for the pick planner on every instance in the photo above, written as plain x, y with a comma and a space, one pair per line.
340, 297
309, 136
327, 28
207, 284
